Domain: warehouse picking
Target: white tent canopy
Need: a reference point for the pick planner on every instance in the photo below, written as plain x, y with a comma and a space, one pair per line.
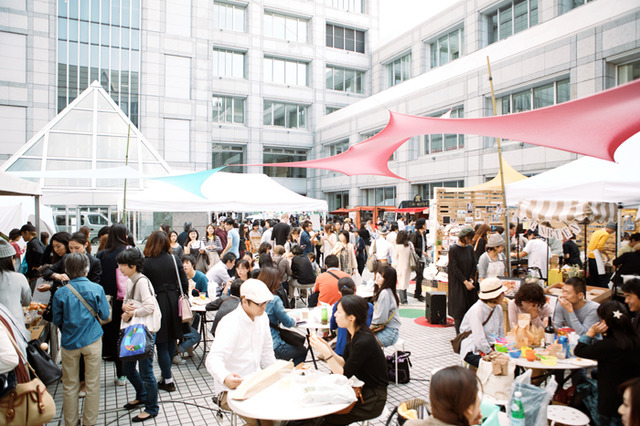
12, 185
586, 179
237, 192
569, 211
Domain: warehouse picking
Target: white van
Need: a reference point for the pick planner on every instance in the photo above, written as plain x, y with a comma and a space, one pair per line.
95, 221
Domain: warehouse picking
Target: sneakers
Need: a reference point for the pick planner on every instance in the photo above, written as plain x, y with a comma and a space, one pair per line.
120, 381
177, 360
168, 387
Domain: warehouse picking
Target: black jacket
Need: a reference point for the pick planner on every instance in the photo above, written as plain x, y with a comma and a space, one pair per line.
416, 239
302, 269
94, 275
161, 271
280, 233
33, 257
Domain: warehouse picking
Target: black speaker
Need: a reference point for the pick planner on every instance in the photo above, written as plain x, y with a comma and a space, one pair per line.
436, 307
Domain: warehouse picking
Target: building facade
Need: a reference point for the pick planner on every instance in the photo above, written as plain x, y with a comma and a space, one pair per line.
542, 52
223, 82
208, 82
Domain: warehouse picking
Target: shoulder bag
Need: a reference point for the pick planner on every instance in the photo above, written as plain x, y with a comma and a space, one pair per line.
30, 403
372, 262
184, 306
289, 336
135, 342
41, 362
378, 327
457, 341
414, 260
90, 309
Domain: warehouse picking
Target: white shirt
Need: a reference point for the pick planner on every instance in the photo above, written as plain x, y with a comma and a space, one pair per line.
383, 249
480, 336
401, 225
266, 236
241, 346
8, 354
538, 255
218, 275
391, 239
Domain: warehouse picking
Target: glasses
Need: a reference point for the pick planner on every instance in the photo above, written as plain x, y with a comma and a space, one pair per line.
260, 305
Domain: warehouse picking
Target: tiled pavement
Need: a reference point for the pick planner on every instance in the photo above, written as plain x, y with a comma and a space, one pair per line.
192, 404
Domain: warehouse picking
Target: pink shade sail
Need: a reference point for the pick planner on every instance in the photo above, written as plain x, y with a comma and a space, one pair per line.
594, 126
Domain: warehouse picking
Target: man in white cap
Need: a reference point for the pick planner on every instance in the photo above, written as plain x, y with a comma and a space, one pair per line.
596, 255
483, 320
243, 342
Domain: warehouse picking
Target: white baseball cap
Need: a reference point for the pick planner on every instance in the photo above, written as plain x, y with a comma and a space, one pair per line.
256, 291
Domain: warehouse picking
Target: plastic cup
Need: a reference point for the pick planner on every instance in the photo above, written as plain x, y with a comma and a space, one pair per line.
285, 377
531, 355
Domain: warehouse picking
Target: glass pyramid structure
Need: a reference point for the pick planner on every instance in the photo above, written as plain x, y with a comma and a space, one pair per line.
89, 134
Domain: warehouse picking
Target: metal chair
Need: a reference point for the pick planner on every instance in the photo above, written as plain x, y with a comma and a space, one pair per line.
294, 284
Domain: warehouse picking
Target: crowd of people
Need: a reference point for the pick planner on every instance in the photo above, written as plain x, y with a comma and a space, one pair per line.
255, 270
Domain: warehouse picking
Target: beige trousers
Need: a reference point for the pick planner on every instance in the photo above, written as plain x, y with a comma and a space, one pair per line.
71, 386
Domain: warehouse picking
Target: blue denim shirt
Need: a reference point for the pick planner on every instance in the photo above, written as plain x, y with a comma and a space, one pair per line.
277, 315
77, 325
305, 242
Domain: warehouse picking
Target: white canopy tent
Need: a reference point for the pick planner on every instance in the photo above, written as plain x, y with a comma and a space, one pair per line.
248, 192
16, 208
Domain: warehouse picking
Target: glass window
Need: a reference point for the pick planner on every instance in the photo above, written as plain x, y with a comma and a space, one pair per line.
285, 27
356, 6
628, 72
566, 5
228, 63
512, 18
448, 142
229, 16
329, 109
399, 70
227, 110
384, 196
284, 71
280, 155
290, 116
543, 96
345, 38
338, 148
225, 155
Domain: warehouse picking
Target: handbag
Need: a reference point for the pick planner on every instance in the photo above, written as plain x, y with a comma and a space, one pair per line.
135, 342
30, 403
457, 341
8, 382
414, 259
184, 306
41, 362
203, 263
404, 364
90, 309
290, 337
372, 262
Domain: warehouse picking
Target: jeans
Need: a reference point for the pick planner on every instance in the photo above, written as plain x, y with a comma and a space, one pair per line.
166, 352
286, 351
144, 382
190, 340
388, 336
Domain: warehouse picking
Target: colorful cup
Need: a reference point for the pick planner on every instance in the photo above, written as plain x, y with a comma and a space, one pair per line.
530, 355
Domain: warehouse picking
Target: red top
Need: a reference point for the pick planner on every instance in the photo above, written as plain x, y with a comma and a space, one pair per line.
327, 285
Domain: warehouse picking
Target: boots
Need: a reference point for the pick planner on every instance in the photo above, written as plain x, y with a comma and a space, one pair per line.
402, 295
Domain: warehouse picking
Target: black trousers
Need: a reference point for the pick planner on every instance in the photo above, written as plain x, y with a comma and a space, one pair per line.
418, 291
374, 401
594, 279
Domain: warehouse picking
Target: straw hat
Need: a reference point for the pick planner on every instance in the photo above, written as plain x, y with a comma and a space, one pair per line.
490, 288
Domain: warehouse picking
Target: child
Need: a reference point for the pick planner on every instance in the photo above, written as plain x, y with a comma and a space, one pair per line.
312, 259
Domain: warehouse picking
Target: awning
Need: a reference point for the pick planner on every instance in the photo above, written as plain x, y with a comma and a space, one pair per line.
413, 210
341, 211
569, 211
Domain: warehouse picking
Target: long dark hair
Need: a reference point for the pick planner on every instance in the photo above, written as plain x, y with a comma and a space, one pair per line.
402, 238
452, 391
634, 387
62, 238
271, 277
390, 280
359, 308
117, 237
619, 325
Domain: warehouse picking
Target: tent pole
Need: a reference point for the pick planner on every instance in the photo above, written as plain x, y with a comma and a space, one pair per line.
586, 259
504, 195
126, 163
37, 214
